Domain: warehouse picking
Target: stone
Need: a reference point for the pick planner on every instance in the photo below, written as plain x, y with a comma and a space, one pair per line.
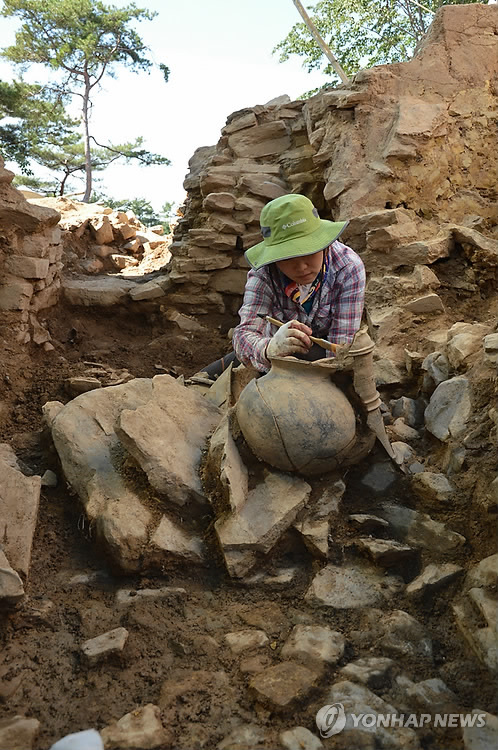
101, 229
264, 186
386, 552
187, 419
449, 408
409, 409
462, 345
420, 530
226, 469
15, 293
269, 510
433, 488
404, 636
18, 733
282, 685
315, 534
81, 384
101, 292
314, 645
246, 737
358, 699
11, 587
372, 671
403, 431
230, 281
484, 574
19, 501
299, 738
240, 122
482, 640
26, 267
219, 202
428, 303
49, 479
380, 477
432, 578
112, 642
246, 640
351, 587
431, 696
483, 734
172, 542
122, 261
490, 345
84, 437
437, 367
149, 290
261, 140
141, 729
368, 523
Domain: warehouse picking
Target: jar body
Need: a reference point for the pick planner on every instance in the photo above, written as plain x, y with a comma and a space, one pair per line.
296, 419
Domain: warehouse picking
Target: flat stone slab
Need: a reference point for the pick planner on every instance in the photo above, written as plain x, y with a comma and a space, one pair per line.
386, 552
432, 578
352, 587
19, 500
283, 684
102, 292
269, 510
11, 587
166, 436
171, 541
372, 671
112, 642
420, 530
130, 597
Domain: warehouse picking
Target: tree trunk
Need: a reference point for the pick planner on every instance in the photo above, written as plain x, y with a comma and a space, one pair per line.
88, 155
321, 43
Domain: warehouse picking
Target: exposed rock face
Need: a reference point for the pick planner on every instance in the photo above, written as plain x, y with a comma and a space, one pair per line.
406, 152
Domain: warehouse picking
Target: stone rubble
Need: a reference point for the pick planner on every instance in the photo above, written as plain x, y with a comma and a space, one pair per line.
160, 469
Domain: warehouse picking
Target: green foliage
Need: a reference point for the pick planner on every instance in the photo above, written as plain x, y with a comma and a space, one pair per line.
31, 117
361, 33
142, 209
80, 42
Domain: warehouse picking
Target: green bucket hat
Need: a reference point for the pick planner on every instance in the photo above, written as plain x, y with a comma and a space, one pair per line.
291, 227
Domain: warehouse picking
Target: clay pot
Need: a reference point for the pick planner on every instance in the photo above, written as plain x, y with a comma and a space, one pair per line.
296, 419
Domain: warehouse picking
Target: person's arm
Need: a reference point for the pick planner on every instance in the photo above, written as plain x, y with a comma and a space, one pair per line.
347, 307
250, 337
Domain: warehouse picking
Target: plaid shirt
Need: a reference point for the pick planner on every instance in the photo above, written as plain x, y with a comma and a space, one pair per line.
335, 313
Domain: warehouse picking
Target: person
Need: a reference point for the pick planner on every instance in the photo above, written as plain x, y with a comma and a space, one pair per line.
303, 276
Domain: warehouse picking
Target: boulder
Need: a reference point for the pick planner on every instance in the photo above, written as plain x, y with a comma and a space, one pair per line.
351, 587
187, 419
449, 408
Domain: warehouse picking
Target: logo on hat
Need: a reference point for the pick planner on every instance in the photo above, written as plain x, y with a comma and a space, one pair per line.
293, 223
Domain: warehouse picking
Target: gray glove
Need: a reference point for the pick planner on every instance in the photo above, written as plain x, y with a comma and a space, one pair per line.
291, 338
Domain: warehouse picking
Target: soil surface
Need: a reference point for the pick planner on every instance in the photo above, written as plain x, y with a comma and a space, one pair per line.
42, 673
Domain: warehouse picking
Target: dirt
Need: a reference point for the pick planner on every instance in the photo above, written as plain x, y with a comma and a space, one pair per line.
43, 674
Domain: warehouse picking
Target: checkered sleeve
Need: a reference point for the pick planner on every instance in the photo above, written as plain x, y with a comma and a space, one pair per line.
347, 305
250, 337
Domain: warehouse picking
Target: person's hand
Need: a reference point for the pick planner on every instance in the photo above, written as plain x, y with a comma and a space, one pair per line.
291, 338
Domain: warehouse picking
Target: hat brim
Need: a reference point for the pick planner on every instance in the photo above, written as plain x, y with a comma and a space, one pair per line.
263, 254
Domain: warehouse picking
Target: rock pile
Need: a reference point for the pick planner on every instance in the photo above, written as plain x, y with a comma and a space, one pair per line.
30, 260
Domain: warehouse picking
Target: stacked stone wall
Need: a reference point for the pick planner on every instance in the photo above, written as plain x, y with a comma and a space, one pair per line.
30, 262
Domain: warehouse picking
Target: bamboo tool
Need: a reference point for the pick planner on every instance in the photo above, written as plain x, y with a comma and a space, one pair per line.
321, 342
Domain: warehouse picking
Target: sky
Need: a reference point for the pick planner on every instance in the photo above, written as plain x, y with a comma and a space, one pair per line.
220, 56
